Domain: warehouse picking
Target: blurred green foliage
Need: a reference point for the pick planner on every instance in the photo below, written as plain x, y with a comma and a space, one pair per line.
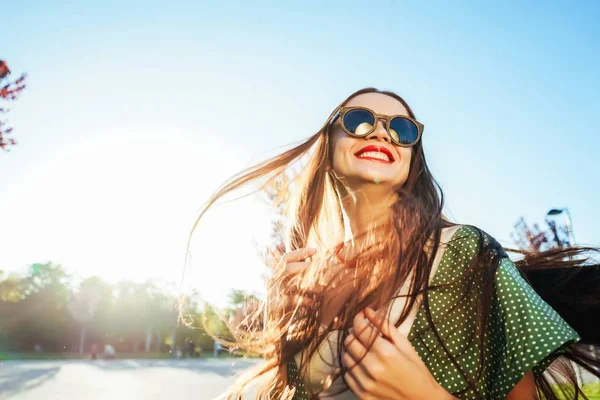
44, 311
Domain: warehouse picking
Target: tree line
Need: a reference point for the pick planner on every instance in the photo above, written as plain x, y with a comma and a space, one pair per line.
46, 309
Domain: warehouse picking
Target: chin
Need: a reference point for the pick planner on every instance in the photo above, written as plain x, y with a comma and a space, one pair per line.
371, 180
356, 179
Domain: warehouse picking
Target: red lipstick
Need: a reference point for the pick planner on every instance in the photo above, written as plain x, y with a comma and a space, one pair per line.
379, 149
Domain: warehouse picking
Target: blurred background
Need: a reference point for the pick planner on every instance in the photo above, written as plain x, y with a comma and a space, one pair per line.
118, 120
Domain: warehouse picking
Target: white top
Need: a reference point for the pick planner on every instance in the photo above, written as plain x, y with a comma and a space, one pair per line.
325, 360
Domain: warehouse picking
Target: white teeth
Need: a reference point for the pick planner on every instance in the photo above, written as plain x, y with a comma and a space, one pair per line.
374, 154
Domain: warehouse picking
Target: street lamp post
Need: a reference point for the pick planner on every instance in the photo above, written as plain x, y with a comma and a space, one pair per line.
557, 211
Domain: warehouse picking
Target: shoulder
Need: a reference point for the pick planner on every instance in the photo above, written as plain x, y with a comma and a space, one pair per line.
469, 232
468, 249
455, 239
463, 239
469, 238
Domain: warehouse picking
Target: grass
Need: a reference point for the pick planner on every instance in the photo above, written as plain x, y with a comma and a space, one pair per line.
37, 356
591, 390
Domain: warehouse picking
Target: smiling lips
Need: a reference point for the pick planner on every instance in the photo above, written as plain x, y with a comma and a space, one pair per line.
375, 153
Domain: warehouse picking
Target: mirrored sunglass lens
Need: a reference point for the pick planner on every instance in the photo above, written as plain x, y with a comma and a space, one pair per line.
359, 122
404, 131
394, 135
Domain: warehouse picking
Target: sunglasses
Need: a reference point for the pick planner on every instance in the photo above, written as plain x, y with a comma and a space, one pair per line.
361, 121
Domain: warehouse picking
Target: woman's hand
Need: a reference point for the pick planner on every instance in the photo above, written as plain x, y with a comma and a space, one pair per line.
295, 262
391, 368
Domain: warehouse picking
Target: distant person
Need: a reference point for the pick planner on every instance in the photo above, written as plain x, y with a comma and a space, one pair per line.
191, 347
379, 295
216, 348
94, 351
109, 352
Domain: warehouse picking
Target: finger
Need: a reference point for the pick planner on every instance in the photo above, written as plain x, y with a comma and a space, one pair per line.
299, 254
384, 325
360, 382
294, 268
357, 356
364, 331
394, 337
354, 385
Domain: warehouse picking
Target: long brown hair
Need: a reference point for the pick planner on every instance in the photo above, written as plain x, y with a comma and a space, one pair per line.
384, 264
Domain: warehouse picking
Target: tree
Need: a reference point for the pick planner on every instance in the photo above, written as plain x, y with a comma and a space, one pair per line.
141, 309
10, 288
43, 307
34, 308
158, 308
242, 310
537, 239
10, 90
84, 304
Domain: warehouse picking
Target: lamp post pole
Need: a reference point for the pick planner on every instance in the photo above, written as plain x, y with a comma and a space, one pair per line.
570, 227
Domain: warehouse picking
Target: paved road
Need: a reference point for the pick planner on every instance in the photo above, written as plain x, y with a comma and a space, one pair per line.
122, 379
118, 379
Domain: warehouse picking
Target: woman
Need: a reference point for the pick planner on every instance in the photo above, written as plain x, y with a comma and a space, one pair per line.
378, 295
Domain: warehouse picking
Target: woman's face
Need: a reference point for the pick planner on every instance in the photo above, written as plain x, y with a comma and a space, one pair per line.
356, 165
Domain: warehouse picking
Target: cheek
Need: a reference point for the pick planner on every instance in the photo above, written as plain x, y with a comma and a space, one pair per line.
406, 155
337, 161
340, 146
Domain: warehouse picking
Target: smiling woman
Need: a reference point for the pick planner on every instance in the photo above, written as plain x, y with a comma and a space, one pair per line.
379, 295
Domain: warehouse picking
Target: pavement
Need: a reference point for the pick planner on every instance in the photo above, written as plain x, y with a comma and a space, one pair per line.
185, 379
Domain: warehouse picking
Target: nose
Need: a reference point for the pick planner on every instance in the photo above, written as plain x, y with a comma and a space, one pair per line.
380, 132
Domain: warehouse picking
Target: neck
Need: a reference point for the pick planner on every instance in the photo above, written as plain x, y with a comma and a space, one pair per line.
366, 206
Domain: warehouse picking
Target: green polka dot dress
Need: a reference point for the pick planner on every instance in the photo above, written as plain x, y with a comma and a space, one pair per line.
523, 332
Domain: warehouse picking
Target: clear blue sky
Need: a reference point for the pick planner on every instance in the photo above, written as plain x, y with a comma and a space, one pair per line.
508, 93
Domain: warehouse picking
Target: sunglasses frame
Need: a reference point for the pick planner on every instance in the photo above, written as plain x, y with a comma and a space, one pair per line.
387, 118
